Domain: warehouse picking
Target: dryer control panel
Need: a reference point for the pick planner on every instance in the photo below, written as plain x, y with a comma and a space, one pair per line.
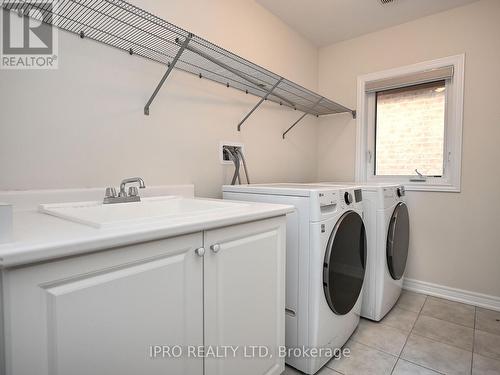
393, 194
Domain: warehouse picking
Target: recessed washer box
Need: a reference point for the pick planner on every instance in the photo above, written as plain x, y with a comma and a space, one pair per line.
224, 159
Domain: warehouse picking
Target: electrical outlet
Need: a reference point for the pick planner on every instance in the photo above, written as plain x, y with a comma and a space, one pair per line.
224, 156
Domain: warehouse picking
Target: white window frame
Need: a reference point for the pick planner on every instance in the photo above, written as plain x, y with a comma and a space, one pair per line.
365, 128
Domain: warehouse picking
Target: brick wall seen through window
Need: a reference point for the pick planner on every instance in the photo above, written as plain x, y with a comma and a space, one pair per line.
410, 130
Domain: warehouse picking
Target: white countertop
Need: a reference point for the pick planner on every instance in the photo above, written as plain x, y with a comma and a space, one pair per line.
39, 237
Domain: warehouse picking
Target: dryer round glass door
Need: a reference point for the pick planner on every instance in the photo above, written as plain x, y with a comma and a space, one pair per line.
344, 264
398, 239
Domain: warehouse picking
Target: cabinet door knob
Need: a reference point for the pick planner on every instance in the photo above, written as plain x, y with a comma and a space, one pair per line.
200, 251
215, 248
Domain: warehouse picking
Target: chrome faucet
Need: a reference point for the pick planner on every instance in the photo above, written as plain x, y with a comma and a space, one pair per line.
124, 183
124, 197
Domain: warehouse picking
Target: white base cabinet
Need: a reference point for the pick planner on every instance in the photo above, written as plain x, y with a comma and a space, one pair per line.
107, 312
100, 313
245, 298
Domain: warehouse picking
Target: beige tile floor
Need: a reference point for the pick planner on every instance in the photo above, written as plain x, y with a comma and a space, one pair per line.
423, 335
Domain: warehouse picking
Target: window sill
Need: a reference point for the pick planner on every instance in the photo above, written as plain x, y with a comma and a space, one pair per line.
416, 186
435, 188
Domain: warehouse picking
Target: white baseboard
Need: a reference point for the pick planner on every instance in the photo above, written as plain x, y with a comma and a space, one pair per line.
453, 294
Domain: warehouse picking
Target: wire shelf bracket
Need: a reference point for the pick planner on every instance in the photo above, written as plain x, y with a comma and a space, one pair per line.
353, 114
122, 25
300, 119
167, 73
258, 104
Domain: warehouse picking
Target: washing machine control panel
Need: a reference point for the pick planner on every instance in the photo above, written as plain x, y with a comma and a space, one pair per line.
358, 195
327, 198
351, 199
324, 204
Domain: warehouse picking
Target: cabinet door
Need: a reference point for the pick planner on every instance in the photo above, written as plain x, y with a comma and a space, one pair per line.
245, 297
101, 313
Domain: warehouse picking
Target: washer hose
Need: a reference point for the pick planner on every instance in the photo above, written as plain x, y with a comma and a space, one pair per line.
244, 164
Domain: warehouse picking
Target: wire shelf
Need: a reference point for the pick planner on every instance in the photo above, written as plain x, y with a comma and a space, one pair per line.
122, 25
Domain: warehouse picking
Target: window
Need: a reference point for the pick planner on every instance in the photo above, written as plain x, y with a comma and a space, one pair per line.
410, 125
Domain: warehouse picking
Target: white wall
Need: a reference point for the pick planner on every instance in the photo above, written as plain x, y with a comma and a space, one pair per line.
455, 238
83, 124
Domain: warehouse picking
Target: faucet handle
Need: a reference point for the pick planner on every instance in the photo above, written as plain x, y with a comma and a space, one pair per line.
133, 191
110, 192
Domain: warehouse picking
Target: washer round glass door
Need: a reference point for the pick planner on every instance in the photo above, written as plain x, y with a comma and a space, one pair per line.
344, 264
398, 238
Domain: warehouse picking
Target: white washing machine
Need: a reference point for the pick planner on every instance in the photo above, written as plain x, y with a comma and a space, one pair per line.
388, 232
325, 265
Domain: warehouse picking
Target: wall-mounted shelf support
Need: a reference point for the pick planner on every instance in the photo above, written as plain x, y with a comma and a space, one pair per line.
300, 118
295, 123
259, 103
167, 73
353, 114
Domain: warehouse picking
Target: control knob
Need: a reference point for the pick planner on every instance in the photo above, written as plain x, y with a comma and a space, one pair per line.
348, 198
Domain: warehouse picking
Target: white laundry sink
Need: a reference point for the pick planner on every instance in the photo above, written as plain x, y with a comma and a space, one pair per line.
167, 208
